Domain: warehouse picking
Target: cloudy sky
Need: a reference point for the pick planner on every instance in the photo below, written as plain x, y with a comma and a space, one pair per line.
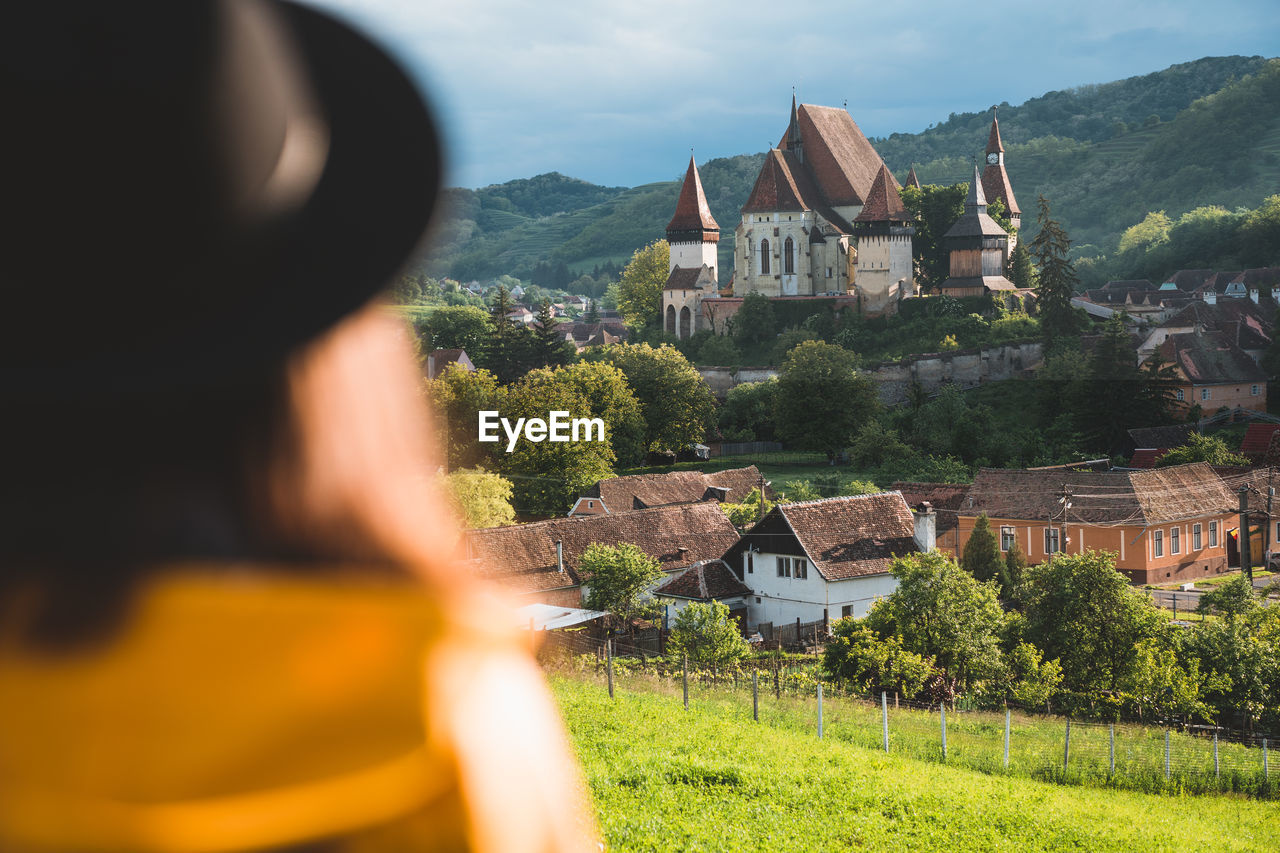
617, 93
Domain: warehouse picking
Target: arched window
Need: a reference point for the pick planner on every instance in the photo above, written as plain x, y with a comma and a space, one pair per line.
789, 257
764, 257
671, 319
686, 323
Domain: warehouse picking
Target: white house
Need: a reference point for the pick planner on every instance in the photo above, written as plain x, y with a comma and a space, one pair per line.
827, 559
705, 581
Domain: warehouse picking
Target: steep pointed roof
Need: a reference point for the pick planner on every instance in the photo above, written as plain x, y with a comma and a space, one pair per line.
837, 154
692, 219
913, 180
793, 137
994, 144
884, 204
776, 187
975, 221
977, 199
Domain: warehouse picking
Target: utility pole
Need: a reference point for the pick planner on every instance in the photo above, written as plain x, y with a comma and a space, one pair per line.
1246, 559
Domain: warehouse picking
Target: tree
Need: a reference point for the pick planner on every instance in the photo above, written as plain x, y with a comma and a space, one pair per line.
822, 401
858, 656
1057, 277
618, 579
707, 634
1029, 680
748, 411
1202, 448
942, 612
1232, 599
1115, 394
1244, 650
981, 556
1083, 612
459, 395
754, 323
934, 209
640, 289
611, 399
1015, 564
550, 349
464, 327
1152, 231
481, 498
1021, 271
507, 352
676, 403
876, 444
748, 511
593, 313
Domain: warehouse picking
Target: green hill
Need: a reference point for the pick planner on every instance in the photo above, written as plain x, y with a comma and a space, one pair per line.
1198, 133
662, 778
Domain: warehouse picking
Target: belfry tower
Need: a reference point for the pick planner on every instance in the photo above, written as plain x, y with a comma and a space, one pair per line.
693, 235
995, 180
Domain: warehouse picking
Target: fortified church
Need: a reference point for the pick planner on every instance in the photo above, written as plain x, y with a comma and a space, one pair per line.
825, 221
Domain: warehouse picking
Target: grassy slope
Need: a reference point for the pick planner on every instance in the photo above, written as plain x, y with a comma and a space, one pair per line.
666, 780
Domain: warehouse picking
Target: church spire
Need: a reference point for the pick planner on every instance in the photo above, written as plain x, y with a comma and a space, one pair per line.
795, 144
977, 199
692, 221
994, 143
913, 180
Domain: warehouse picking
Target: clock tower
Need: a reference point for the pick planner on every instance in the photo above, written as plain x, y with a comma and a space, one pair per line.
995, 180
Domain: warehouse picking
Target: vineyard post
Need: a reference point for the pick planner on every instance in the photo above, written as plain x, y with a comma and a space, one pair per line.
884, 718
1066, 747
1217, 772
1006, 738
608, 663
819, 709
942, 709
684, 679
1266, 771
1111, 749
755, 695
1166, 754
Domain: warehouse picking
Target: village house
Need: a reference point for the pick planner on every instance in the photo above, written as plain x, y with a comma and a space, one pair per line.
705, 582
540, 561
438, 360
1150, 443
641, 491
1163, 524
1214, 373
818, 561
945, 499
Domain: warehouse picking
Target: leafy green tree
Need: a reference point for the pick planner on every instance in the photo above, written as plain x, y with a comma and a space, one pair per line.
1260, 234
934, 209
1231, 599
1202, 448
857, 656
640, 289
1015, 564
677, 405
459, 395
1245, 651
1152, 231
822, 401
611, 399
1028, 680
548, 476
482, 499
1057, 278
754, 323
748, 511
508, 351
791, 338
1115, 394
981, 556
1021, 271
1163, 684
876, 444
748, 411
618, 580
464, 327
707, 634
1084, 613
942, 612
719, 350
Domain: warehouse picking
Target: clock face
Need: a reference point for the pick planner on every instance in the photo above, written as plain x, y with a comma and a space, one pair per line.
993, 158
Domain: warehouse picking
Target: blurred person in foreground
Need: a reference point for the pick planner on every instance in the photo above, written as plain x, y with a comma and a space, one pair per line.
228, 619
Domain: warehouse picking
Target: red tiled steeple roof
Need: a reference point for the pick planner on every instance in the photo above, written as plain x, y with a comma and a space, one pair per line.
693, 219
995, 180
883, 202
913, 180
994, 144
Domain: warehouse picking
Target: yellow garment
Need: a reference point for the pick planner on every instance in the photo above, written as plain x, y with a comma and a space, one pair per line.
251, 710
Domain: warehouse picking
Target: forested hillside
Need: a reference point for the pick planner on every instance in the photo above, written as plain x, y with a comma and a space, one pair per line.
1200, 133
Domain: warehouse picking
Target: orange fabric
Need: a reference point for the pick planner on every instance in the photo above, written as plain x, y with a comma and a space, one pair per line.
245, 710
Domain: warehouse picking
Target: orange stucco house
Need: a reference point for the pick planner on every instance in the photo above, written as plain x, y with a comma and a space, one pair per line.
1164, 524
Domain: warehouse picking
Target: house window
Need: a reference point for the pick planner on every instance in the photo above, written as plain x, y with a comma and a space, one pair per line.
828, 272
1051, 540
846, 611
784, 567
751, 562
591, 504
1195, 537
1213, 534
1204, 394
764, 257
1253, 390
788, 257
1157, 543
1181, 395
1173, 541
801, 569
1007, 535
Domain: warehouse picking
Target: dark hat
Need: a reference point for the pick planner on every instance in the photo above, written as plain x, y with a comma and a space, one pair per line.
189, 190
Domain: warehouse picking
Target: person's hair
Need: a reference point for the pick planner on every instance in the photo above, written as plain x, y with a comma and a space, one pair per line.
324, 461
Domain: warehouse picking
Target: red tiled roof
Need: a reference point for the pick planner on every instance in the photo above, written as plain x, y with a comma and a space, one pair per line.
776, 187
1257, 439
705, 581
883, 202
683, 278
994, 144
1146, 457
912, 179
945, 498
523, 556
1154, 496
1210, 358
849, 537
693, 215
624, 494
840, 157
1190, 280
995, 183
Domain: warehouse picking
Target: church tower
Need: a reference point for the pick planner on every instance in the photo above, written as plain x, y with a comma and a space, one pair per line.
693, 235
978, 247
883, 229
995, 181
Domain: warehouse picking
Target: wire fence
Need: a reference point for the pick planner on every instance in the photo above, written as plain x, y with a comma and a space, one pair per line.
783, 694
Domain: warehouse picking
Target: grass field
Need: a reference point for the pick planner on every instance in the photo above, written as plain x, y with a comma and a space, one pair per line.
666, 779
778, 468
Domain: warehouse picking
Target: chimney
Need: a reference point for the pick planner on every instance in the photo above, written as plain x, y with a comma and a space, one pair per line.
1254, 294
560, 555
684, 555
1211, 297
1275, 292
926, 535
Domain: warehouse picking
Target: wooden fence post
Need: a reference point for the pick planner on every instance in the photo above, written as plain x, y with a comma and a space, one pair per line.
819, 709
1266, 771
884, 718
608, 662
1006, 738
1066, 746
1217, 772
1111, 749
1166, 754
942, 709
684, 679
755, 695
